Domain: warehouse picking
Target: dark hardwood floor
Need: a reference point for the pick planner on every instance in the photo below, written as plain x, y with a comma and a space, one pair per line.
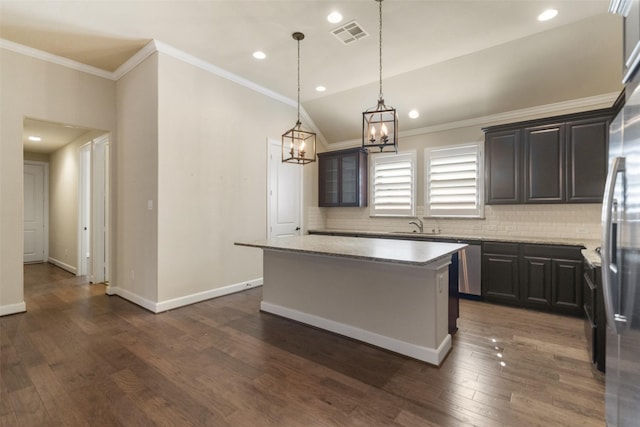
79, 357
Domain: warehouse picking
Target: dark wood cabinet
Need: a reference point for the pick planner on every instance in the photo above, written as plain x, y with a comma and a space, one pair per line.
543, 277
503, 167
500, 272
544, 164
595, 323
536, 284
586, 160
567, 285
342, 178
559, 159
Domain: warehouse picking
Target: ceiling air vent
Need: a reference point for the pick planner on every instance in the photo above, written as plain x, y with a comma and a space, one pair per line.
349, 32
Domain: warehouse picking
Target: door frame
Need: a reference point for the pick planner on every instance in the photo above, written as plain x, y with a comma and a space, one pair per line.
45, 213
97, 269
84, 208
100, 209
271, 142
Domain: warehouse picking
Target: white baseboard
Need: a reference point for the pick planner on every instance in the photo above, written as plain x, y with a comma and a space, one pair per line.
5, 310
426, 354
159, 307
62, 265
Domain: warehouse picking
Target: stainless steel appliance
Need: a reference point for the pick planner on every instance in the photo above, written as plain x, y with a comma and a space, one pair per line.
469, 277
621, 264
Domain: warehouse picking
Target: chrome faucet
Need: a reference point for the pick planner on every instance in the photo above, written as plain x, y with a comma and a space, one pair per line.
418, 224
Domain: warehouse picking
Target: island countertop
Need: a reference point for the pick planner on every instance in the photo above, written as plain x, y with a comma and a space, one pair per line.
380, 250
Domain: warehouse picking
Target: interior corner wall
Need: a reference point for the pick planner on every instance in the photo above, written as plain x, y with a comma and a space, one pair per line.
137, 184
212, 190
35, 88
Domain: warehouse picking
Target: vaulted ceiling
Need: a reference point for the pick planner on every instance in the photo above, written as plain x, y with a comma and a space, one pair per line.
451, 60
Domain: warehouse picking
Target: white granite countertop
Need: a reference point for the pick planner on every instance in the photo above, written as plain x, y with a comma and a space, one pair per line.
589, 252
381, 250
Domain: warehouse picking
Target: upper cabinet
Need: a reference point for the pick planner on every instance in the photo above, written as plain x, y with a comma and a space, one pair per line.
561, 159
544, 163
586, 161
503, 167
342, 178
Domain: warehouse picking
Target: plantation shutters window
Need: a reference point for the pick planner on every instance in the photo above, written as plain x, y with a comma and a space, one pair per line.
453, 182
393, 185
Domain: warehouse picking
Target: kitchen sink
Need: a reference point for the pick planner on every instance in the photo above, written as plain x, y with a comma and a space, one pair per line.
424, 233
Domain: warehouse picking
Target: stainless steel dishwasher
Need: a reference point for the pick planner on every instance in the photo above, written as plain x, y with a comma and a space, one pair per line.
469, 270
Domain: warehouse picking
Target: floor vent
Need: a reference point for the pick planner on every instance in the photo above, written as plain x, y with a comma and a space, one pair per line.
349, 32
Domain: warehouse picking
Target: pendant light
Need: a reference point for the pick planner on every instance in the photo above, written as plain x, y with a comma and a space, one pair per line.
380, 123
298, 144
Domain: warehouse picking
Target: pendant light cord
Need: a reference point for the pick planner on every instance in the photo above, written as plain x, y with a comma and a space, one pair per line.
380, 96
298, 81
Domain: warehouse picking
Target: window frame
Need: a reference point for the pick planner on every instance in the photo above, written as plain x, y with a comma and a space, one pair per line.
476, 148
382, 158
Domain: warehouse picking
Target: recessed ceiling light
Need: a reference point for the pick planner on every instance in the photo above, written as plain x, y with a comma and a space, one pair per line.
547, 14
35, 138
320, 88
414, 114
334, 17
258, 54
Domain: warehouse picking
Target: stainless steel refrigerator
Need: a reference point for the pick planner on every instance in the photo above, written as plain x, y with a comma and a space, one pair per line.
621, 265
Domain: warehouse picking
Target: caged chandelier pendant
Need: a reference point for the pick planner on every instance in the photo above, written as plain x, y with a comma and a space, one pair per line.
298, 144
380, 124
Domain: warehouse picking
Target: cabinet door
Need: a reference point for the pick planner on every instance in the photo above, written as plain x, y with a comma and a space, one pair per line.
536, 281
503, 167
328, 181
349, 179
543, 164
500, 278
587, 160
566, 286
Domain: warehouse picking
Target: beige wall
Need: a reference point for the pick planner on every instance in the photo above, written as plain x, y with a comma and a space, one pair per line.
136, 243
38, 89
212, 168
36, 157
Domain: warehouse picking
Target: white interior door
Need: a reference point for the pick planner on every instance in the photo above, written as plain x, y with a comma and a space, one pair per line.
34, 209
285, 195
84, 199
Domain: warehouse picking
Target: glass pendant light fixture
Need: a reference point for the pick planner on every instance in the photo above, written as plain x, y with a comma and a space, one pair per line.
380, 124
298, 144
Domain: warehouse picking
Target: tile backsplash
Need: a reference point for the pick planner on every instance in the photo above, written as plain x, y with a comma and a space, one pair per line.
565, 221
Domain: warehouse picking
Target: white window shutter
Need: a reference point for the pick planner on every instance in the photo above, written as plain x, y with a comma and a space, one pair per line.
453, 182
393, 185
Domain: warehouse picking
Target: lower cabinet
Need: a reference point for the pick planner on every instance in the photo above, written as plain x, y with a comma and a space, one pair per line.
544, 277
500, 272
595, 323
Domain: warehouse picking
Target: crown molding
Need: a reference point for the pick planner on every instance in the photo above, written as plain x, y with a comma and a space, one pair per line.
510, 116
131, 63
55, 59
149, 49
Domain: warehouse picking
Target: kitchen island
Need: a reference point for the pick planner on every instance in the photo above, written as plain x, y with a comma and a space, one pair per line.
389, 293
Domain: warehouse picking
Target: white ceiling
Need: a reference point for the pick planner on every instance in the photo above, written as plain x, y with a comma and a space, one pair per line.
452, 60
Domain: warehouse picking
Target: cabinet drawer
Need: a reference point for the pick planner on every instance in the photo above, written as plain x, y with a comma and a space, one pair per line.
589, 295
500, 248
552, 251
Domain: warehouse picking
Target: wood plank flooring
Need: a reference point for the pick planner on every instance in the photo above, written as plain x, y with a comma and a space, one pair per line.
81, 358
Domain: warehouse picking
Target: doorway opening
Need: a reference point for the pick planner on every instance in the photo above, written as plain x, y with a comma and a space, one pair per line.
76, 202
